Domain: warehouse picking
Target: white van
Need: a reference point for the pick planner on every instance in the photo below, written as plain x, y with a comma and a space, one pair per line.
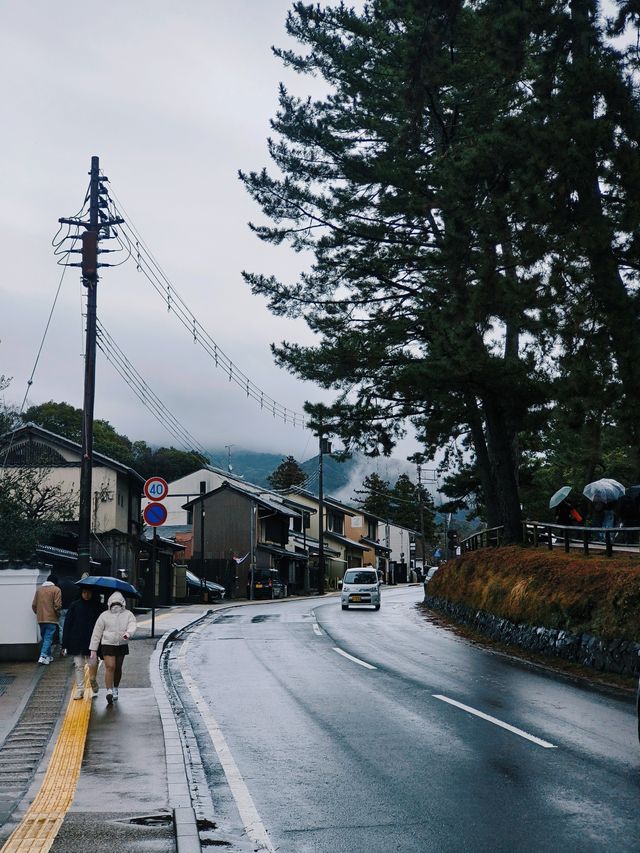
360, 586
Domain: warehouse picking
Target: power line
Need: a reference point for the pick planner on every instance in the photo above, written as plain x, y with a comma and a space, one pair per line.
145, 394
147, 264
37, 359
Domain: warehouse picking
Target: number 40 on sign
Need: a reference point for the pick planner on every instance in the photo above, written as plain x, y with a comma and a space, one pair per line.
156, 489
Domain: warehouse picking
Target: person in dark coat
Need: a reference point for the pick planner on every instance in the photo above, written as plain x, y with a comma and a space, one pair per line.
78, 627
566, 514
69, 592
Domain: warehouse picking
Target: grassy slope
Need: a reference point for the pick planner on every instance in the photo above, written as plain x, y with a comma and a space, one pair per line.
552, 589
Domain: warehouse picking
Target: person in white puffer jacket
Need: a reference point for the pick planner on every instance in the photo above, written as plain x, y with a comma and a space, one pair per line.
113, 630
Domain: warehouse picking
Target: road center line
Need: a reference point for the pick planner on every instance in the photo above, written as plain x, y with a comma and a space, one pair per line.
256, 830
545, 744
355, 660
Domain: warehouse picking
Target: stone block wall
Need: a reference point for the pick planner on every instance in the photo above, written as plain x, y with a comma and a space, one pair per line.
617, 656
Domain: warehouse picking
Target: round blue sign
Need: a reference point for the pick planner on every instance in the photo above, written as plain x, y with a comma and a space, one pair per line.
155, 514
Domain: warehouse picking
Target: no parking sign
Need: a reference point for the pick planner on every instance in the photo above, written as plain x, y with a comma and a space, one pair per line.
155, 490
155, 514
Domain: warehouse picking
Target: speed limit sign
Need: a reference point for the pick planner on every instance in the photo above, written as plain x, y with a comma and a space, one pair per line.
156, 489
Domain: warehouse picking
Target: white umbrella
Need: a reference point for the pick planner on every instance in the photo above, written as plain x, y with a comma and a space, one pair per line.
606, 489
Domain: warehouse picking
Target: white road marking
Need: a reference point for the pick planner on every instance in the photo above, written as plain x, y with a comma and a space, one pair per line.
497, 722
317, 629
355, 660
249, 814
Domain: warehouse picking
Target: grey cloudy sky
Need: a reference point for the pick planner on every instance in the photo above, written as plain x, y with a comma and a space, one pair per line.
173, 98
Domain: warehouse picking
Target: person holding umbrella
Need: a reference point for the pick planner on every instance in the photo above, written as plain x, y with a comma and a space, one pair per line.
78, 628
111, 634
565, 512
603, 494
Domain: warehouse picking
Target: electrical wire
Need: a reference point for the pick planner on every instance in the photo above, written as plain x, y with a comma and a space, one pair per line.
153, 272
147, 397
35, 364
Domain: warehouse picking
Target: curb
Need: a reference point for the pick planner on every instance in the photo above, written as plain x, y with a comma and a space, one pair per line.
186, 828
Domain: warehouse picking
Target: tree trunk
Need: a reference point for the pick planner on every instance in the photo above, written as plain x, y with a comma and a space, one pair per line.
485, 467
500, 444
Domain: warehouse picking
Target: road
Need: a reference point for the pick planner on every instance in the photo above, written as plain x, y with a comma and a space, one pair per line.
382, 731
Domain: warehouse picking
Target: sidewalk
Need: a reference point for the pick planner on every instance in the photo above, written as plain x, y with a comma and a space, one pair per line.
122, 800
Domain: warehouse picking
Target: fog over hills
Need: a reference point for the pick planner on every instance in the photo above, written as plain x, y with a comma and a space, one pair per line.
342, 479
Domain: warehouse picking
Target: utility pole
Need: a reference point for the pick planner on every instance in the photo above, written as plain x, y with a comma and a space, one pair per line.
89, 265
418, 459
421, 508
203, 491
324, 446
253, 534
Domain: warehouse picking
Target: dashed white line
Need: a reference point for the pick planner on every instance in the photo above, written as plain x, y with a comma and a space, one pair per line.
355, 660
317, 629
543, 743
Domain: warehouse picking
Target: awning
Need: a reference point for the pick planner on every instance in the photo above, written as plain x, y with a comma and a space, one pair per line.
347, 543
371, 543
161, 542
282, 552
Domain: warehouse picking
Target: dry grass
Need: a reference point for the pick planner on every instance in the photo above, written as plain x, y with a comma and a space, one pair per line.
580, 594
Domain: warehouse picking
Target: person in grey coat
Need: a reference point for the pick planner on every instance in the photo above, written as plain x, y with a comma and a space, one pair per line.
109, 640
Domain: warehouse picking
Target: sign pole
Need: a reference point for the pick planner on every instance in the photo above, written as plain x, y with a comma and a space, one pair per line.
154, 551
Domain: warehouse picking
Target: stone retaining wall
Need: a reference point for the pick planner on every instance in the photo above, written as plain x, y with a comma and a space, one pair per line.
619, 656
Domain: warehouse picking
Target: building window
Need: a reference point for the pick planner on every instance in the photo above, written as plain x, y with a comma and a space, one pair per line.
335, 522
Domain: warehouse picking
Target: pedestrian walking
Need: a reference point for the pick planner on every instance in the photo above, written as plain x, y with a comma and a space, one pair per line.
109, 640
46, 604
78, 628
69, 592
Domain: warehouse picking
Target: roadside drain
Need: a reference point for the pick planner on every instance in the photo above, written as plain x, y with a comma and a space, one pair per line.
162, 819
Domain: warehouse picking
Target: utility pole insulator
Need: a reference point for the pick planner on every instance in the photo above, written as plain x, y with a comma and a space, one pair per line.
90, 256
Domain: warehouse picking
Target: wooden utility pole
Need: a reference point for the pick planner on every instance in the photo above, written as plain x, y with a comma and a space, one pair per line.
90, 237
90, 281
324, 447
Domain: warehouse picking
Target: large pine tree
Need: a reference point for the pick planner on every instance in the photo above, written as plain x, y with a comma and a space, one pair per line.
436, 189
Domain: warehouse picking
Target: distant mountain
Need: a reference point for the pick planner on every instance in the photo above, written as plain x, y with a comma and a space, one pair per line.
255, 467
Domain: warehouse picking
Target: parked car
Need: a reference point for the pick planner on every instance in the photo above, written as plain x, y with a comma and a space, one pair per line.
360, 586
430, 573
266, 584
196, 586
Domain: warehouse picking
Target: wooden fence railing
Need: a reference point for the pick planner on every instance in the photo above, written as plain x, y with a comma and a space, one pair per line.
607, 540
489, 538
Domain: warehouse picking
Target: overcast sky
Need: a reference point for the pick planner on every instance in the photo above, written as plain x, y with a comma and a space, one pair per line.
174, 99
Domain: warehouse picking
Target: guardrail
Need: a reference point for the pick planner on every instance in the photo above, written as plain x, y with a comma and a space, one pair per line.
598, 539
489, 538
607, 540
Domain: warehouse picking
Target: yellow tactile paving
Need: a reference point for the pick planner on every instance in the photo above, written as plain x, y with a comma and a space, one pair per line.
43, 819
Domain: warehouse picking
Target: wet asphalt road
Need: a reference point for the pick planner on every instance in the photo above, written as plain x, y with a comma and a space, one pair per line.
336, 756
